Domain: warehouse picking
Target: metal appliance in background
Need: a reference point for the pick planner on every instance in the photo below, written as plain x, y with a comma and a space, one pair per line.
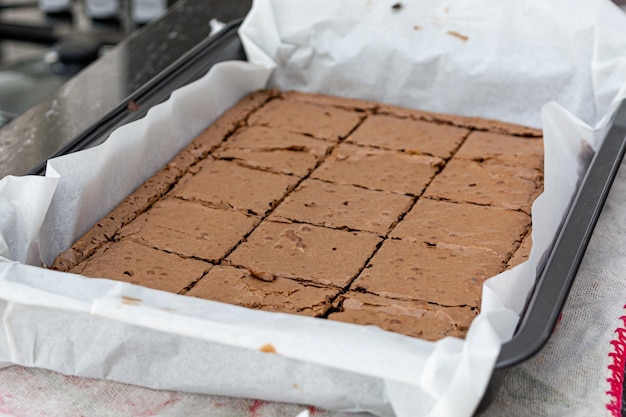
43, 44
140, 11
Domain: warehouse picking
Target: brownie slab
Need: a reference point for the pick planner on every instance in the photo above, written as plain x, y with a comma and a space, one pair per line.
330, 207
189, 229
238, 286
447, 275
378, 169
138, 264
305, 252
342, 207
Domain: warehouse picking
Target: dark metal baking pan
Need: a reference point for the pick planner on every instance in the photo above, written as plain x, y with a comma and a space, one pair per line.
548, 297
546, 301
223, 46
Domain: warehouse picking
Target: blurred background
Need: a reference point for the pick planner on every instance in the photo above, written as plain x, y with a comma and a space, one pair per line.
44, 43
67, 64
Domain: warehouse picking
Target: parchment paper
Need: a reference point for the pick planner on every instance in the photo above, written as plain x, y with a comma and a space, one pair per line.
502, 60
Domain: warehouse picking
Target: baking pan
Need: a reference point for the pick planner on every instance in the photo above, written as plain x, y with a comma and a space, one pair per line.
223, 46
548, 297
557, 272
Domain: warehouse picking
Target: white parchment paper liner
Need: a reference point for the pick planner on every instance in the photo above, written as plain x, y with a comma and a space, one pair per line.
507, 67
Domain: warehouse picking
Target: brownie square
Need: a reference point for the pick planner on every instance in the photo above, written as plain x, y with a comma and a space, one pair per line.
190, 229
323, 122
237, 286
226, 185
412, 318
378, 169
274, 150
309, 253
408, 135
494, 148
493, 228
138, 264
447, 275
342, 207
486, 184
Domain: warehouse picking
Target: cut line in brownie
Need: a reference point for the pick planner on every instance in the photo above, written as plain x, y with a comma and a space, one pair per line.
523, 251
329, 207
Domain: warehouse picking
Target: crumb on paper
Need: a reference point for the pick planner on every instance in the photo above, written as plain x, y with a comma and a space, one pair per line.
131, 301
457, 35
268, 348
417, 27
397, 6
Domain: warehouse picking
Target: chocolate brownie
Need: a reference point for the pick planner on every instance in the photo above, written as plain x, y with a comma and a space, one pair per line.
330, 207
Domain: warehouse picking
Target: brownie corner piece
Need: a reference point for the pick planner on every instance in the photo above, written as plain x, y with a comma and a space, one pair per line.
493, 185
142, 265
416, 319
501, 149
